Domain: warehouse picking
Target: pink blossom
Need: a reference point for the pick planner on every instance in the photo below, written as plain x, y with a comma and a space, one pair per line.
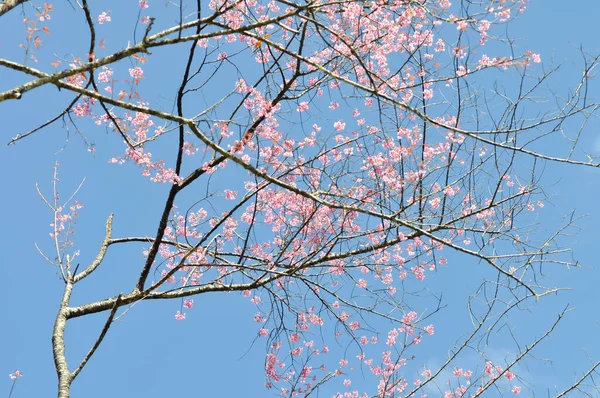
429, 330
339, 125
188, 303
180, 316
17, 374
534, 57
489, 369
105, 74
392, 336
484, 25
104, 17
82, 109
263, 332
516, 390
503, 14
303, 106
144, 3
136, 73
230, 195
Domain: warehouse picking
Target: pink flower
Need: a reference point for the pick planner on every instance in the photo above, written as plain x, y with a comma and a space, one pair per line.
188, 303
14, 376
144, 3
489, 369
103, 18
429, 330
534, 57
180, 316
136, 73
263, 332
392, 335
303, 106
339, 125
105, 74
484, 25
230, 195
516, 390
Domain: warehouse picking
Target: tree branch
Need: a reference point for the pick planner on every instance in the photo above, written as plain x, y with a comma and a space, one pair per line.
7, 5
100, 256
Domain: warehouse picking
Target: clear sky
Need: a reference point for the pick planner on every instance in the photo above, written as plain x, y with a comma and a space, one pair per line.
147, 353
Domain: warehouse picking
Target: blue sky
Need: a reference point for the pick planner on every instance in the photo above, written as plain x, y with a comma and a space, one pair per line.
147, 353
